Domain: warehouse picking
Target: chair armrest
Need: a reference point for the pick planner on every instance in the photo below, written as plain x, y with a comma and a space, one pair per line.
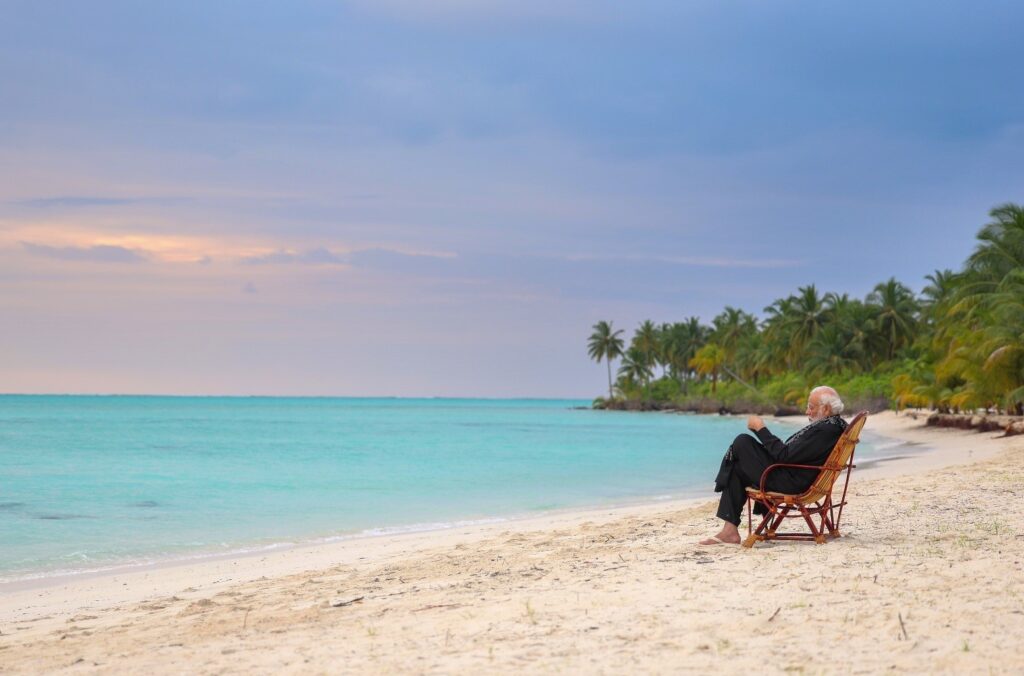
771, 468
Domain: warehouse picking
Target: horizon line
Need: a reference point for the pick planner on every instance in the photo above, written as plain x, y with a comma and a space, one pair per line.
277, 396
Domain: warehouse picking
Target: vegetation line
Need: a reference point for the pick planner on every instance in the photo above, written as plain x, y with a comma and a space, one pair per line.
959, 345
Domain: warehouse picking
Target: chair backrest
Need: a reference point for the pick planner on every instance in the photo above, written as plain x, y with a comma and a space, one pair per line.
838, 459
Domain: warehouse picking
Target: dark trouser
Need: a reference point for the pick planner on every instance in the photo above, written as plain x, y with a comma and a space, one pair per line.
744, 463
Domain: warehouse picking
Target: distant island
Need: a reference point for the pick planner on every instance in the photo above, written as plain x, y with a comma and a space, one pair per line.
958, 346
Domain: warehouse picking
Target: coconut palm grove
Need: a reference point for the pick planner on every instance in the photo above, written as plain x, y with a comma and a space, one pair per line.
956, 346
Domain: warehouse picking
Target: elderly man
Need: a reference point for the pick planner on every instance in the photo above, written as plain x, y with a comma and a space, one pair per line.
748, 458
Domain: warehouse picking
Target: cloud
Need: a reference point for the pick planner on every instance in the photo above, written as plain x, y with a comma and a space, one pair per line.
373, 256
101, 253
369, 257
696, 261
72, 201
315, 256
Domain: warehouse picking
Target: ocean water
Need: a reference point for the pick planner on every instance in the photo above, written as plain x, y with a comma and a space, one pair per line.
93, 482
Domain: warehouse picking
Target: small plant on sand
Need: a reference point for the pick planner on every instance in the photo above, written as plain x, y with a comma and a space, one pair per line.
966, 647
531, 614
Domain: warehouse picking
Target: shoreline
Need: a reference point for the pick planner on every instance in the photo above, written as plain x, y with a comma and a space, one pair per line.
288, 558
545, 591
540, 519
248, 551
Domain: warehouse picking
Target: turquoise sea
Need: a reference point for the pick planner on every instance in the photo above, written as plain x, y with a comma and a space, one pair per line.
90, 482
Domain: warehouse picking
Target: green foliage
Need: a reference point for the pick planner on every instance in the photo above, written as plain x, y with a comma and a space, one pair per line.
787, 388
959, 345
665, 389
636, 369
867, 386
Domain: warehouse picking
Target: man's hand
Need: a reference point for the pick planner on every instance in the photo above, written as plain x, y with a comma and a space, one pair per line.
754, 423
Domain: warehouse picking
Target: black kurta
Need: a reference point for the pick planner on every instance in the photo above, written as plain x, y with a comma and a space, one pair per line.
748, 458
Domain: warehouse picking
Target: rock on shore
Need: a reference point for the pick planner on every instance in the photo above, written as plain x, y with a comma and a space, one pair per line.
1009, 425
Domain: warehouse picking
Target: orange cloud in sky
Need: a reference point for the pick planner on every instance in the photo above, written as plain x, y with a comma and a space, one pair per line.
173, 248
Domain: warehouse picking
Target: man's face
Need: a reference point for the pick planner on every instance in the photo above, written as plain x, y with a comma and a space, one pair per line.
815, 409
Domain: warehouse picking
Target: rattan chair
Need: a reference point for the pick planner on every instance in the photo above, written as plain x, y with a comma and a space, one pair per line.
814, 504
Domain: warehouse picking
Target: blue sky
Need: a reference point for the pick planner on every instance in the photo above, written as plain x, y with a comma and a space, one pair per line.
439, 198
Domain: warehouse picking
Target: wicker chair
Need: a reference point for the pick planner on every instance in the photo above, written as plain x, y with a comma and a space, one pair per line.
813, 504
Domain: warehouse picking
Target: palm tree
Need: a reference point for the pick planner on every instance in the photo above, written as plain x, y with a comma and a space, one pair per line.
942, 284
673, 338
606, 344
985, 323
731, 327
778, 331
897, 313
647, 340
680, 341
856, 325
1002, 344
754, 357
708, 361
1001, 250
809, 315
831, 352
976, 320
635, 366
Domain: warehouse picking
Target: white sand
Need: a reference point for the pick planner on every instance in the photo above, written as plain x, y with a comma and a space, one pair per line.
928, 577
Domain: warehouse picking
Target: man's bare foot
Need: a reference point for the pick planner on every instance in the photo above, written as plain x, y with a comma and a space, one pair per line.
729, 535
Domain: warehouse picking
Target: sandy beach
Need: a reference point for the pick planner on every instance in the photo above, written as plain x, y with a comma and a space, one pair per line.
929, 577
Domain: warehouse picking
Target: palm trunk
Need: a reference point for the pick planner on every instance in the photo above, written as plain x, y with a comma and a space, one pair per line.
738, 379
609, 362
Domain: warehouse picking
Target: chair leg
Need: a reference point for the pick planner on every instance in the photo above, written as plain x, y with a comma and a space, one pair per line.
750, 517
779, 518
826, 518
758, 533
819, 538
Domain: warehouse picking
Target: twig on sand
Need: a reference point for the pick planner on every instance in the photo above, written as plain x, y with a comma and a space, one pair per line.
346, 602
903, 627
437, 605
775, 613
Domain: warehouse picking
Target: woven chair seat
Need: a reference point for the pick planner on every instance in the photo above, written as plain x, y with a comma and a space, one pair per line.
757, 493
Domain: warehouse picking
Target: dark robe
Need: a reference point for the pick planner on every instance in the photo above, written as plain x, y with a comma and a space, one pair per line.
748, 458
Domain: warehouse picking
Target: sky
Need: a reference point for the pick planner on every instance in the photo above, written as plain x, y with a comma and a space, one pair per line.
415, 198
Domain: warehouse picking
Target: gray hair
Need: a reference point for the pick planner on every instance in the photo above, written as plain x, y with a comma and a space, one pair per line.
829, 397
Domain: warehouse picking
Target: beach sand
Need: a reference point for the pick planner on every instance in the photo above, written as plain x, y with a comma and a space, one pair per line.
928, 577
